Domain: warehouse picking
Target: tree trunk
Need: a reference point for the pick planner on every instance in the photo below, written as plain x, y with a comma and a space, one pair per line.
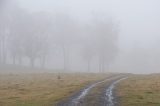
3, 51
20, 60
88, 66
100, 64
0, 51
103, 66
107, 67
14, 60
32, 62
65, 59
43, 60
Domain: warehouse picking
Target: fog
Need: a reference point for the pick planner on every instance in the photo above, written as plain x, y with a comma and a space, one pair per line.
81, 35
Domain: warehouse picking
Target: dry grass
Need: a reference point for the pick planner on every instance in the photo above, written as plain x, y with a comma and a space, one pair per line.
140, 91
41, 89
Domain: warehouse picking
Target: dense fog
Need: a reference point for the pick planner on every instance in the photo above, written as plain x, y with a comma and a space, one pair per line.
80, 36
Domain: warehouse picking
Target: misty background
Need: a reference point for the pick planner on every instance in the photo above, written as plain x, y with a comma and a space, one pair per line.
81, 35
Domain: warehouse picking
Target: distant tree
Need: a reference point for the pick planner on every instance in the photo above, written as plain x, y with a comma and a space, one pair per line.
43, 28
65, 31
88, 50
88, 54
35, 42
7, 18
106, 35
4, 32
17, 30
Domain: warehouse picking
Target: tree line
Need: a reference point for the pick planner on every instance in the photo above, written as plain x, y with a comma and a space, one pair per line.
34, 36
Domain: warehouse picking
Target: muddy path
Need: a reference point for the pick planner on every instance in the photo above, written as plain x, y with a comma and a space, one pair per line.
110, 99
96, 94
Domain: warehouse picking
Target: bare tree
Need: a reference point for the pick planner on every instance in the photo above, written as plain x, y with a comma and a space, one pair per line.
8, 11
44, 26
17, 34
88, 54
35, 42
88, 43
106, 34
4, 31
65, 31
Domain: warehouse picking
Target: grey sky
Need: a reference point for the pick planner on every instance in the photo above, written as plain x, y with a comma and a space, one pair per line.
139, 19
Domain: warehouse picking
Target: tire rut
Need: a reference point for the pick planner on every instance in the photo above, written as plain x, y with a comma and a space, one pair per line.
81, 99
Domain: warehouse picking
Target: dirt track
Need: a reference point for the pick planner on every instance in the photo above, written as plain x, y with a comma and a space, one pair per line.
97, 94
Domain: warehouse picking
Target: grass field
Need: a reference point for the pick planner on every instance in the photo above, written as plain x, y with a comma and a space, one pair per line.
41, 89
140, 91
